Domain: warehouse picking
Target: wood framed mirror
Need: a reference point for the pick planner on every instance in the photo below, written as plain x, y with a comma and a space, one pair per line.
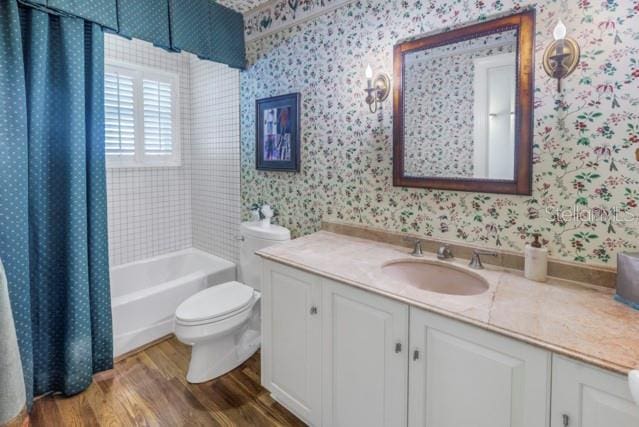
463, 108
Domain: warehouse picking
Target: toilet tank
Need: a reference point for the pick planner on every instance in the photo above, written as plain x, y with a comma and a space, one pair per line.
255, 236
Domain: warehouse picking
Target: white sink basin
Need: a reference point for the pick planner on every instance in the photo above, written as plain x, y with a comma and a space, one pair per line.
633, 380
435, 277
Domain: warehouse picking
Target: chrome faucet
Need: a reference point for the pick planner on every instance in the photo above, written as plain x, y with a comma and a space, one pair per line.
444, 252
475, 260
417, 249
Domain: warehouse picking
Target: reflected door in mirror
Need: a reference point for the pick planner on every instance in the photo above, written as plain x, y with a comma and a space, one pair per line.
495, 82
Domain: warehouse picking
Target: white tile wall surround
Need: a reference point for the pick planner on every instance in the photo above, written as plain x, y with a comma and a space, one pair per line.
215, 157
153, 211
149, 212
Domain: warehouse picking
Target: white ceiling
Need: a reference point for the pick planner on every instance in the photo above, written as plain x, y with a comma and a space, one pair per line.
242, 5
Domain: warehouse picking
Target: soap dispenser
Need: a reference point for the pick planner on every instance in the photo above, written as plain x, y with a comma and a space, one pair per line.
536, 260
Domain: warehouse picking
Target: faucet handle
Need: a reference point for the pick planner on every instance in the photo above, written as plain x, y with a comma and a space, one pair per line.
475, 260
417, 249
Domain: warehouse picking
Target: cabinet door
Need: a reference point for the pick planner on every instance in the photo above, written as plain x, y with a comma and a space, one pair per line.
464, 376
291, 339
364, 358
585, 396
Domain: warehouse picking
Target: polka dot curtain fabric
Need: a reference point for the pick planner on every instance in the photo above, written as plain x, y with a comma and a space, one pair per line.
186, 21
203, 27
53, 234
145, 20
223, 43
102, 12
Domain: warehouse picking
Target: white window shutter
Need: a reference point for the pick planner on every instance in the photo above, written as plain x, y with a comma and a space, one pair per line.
158, 118
142, 126
119, 114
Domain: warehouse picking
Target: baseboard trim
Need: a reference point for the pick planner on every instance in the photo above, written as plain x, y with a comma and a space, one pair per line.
142, 348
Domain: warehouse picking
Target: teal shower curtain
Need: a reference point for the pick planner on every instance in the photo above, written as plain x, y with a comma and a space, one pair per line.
53, 232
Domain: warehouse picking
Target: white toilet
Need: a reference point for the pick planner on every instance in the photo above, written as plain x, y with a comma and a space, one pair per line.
222, 323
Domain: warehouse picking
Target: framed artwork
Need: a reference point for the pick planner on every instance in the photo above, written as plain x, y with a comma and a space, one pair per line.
277, 123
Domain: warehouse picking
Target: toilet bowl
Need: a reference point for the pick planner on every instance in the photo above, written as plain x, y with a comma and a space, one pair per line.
222, 323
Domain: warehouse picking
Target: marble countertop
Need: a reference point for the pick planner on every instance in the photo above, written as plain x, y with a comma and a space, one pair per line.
579, 321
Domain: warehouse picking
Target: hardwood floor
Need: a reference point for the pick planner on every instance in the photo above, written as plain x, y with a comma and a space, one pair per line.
149, 388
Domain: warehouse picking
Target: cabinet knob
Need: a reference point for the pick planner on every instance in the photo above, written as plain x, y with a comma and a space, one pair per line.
415, 354
398, 347
566, 420
313, 310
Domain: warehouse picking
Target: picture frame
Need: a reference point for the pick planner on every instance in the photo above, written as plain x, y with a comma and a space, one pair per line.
277, 133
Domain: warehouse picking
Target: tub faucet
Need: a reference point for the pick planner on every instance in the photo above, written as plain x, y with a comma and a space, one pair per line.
475, 260
444, 252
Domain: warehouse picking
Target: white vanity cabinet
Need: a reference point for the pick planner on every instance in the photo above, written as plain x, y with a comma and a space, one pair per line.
585, 396
332, 354
292, 339
464, 376
364, 348
339, 356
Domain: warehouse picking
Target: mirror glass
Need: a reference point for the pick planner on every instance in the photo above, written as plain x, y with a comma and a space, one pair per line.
459, 108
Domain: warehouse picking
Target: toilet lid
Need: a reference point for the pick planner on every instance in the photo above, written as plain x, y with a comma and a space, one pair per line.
216, 301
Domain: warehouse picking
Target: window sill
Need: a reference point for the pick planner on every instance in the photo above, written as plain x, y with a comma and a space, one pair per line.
166, 165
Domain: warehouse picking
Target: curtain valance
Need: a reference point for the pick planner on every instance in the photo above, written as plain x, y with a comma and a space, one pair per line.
202, 27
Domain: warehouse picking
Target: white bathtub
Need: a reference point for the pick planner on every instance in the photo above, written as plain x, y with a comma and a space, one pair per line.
145, 294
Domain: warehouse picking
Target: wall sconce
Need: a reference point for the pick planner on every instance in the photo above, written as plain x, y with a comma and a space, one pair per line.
562, 56
377, 90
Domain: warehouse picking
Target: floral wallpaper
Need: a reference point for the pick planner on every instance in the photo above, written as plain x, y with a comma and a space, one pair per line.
586, 140
439, 105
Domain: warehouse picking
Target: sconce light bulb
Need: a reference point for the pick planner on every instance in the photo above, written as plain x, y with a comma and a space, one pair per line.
560, 31
369, 72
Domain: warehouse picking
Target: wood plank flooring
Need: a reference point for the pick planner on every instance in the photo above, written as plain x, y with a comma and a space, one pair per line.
149, 388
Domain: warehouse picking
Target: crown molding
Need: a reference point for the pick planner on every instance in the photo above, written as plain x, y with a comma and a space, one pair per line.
277, 15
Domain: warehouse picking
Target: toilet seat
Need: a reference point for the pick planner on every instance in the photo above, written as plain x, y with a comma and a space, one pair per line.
215, 304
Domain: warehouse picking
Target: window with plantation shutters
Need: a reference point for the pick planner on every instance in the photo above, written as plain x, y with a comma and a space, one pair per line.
141, 116
156, 97
119, 114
